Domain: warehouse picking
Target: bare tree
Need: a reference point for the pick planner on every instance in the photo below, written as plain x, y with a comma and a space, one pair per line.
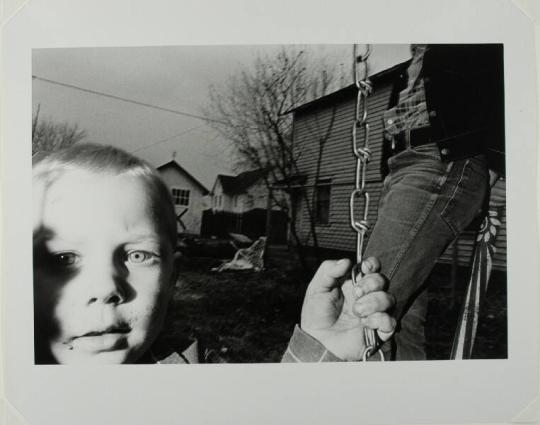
251, 111
49, 136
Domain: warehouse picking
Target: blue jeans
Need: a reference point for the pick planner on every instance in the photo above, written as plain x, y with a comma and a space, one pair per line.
425, 203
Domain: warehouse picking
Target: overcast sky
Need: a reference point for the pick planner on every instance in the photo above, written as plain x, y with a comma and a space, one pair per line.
171, 77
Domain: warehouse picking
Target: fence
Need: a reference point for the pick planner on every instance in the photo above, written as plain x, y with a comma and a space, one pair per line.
251, 223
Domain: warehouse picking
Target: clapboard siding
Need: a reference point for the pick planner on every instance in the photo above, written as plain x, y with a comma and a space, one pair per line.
332, 122
338, 234
338, 160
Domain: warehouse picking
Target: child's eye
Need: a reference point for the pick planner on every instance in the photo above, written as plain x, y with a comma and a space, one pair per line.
138, 257
65, 259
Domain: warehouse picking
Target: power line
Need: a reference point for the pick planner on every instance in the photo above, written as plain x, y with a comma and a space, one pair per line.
123, 99
166, 139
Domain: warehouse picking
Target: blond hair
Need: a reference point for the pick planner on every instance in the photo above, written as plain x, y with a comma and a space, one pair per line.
104, 159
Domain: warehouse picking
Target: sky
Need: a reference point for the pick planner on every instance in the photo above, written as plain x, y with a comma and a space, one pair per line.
170, 77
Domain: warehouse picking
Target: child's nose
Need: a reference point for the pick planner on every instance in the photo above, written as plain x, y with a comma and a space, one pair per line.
109, 297
107, 289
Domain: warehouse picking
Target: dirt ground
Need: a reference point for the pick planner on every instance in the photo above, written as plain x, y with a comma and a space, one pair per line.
248, 317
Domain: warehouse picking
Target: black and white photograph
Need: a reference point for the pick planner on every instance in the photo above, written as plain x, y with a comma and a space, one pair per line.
221, 214
215, 204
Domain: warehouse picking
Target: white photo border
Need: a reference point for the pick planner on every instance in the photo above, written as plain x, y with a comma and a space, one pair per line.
419, 392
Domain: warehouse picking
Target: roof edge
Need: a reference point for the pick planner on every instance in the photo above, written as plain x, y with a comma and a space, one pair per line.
176, 164
375, 78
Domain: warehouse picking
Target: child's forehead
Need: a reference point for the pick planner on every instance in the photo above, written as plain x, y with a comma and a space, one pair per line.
80, 180
93, 192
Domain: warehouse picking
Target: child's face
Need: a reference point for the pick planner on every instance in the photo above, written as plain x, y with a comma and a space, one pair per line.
103, 271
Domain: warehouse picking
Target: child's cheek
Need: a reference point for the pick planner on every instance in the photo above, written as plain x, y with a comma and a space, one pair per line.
147, 280
145, 315
152, 292
51, 298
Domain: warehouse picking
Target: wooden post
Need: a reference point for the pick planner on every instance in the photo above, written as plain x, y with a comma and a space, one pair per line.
454, 274
268, 216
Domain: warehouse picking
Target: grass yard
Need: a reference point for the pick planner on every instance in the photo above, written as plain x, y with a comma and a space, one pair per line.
248, 317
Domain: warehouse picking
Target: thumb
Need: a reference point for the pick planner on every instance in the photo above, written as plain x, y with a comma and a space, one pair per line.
328, 275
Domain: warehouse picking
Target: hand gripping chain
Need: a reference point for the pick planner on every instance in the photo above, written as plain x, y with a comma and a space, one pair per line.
362, 153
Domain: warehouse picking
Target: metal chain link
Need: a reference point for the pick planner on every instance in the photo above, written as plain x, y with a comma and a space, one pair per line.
363, 155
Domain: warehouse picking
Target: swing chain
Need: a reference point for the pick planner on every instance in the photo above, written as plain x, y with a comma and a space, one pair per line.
363, 154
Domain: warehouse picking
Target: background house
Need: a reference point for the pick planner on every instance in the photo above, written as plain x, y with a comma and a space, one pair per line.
239, 204
333, 117
188, 195
240, 193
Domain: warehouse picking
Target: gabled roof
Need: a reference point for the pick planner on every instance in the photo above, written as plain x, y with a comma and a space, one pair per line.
227, 182
238, 184
248, 178
182, 170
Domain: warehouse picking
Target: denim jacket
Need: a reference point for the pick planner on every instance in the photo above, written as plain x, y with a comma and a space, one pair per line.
464, 86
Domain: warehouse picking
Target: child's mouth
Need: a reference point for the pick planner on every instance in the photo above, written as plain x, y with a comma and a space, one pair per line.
109, 339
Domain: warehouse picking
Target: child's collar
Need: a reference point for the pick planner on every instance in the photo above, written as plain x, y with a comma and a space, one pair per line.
185, 351
189, 356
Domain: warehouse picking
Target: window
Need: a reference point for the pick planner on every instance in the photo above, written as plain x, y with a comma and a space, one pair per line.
180, 196
249, 202
322, 201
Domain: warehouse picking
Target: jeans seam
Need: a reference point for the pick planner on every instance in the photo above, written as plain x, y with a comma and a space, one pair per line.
420, 222
452, 197
427, 155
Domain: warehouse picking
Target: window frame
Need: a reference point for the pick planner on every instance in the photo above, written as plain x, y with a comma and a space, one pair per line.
321, 183
181, 195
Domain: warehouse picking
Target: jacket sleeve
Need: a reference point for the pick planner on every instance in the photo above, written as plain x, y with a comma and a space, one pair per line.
399, 83
303, 348
464, 87
496, 148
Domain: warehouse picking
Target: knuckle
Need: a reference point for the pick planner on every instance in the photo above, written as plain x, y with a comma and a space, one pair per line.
387, 300
379, 280
371, 301
387, 322
386, 303
371, 305
373, 282
389, 325
378, 319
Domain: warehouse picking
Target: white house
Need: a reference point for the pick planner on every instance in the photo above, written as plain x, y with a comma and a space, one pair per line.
239, 204
188, 195
241, 193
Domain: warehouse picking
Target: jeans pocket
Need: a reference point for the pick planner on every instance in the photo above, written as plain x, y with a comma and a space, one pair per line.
465, 190
402, 159
431, 150
419, 158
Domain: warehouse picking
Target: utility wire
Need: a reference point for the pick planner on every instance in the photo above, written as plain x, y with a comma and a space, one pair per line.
166, 139
123, 99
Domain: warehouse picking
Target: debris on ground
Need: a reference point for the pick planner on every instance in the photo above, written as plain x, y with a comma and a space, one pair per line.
251, 258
